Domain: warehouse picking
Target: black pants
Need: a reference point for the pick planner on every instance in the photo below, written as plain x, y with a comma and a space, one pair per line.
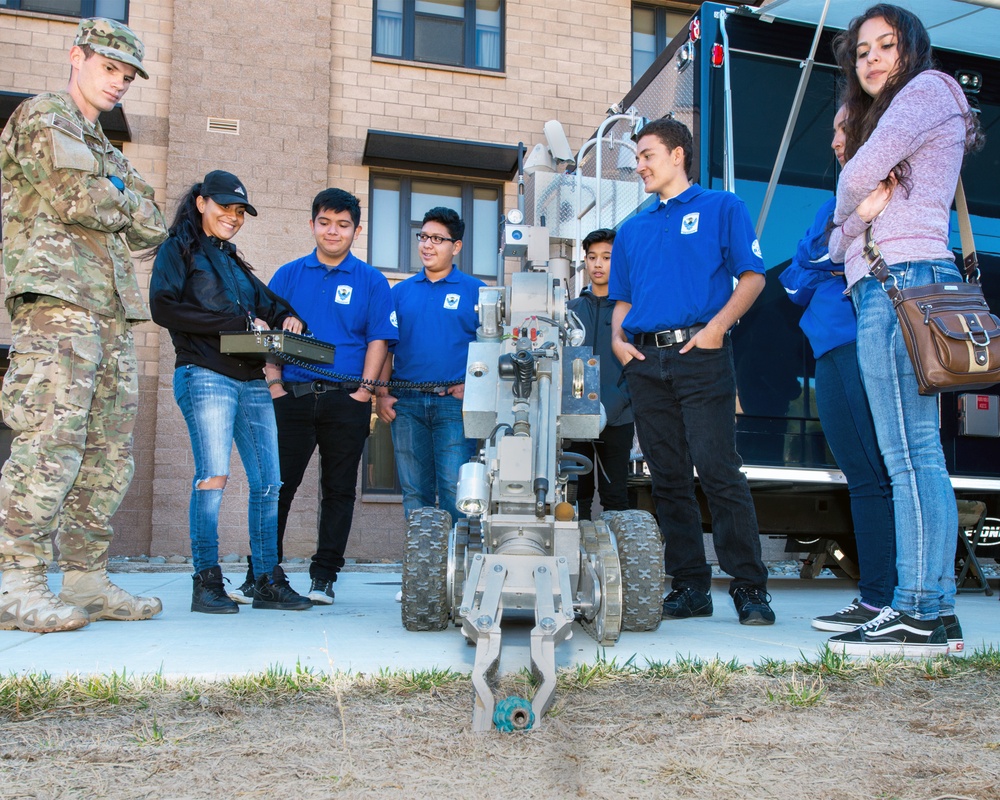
339, 425
685, 414
612, 451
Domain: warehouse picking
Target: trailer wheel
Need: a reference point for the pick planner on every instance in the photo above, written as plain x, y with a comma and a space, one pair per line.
640, 552
425, 604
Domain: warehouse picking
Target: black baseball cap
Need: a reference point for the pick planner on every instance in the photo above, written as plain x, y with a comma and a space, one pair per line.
225, 189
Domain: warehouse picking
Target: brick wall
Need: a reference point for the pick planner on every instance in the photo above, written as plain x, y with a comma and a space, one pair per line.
302, 80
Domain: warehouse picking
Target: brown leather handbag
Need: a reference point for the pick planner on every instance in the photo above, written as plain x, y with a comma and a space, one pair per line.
952, 337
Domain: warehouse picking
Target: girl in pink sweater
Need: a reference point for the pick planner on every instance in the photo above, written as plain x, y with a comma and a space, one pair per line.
909, 127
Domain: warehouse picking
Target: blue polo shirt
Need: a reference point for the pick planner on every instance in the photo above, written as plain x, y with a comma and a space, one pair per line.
828, 321
348, 305
437, 320
675, 261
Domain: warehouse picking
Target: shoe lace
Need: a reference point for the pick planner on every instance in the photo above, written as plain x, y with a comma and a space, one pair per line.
753, 596
885, 615
854, 605
676, 593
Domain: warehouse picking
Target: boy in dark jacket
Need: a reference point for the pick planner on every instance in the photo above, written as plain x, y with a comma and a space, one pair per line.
610, 452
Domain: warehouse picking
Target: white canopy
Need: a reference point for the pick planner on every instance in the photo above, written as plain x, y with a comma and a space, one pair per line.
966, 26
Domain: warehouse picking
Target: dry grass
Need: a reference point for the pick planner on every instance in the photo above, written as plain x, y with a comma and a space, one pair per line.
887, 729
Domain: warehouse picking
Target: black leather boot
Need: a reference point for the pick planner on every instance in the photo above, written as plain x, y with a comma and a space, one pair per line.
209, 596
273, 591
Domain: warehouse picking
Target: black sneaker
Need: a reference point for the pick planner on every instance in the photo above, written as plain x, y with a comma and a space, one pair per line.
893, 633
687, 602
208, 595
753, 605
321, 592
953, 630
273, 591
847, 619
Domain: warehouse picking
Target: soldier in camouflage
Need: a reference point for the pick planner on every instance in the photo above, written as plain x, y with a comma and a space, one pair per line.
72, 208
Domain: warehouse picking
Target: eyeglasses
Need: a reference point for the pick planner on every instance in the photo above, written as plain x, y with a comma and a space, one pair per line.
423, 237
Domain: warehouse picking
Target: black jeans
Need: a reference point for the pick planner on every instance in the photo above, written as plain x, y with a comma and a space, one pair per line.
685, 415
339, 425
612, 450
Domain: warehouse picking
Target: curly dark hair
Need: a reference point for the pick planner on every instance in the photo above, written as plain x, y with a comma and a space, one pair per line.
913, 45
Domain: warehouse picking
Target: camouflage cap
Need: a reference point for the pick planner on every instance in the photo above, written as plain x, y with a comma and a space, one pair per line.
112, 39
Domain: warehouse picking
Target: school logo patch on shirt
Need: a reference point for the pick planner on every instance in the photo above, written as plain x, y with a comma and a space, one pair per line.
393, 320
451, 301
690, 223
344, 295
756, 248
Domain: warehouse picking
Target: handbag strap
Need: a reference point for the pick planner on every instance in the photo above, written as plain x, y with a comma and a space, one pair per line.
970, 259
877, 267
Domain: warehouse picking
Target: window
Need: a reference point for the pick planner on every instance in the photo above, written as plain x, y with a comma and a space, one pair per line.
398, 205
652, 28
113, 9
462, 33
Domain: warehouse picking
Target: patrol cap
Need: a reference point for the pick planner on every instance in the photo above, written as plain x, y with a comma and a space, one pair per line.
225, 188
112, 39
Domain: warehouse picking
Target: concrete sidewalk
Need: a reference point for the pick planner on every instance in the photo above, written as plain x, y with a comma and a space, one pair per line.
362, 633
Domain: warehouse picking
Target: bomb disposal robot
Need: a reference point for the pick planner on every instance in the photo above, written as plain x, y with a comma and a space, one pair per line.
529, 387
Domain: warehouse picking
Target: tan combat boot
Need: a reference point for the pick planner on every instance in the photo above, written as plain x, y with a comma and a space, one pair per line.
27, 604
101, 599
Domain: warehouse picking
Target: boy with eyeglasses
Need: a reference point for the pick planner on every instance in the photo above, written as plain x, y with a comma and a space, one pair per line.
345, 302
437, 318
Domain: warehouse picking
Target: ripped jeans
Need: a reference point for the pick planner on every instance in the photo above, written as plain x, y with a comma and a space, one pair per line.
219, 410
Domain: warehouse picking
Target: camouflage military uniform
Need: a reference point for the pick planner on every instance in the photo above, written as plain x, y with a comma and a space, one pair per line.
71, 393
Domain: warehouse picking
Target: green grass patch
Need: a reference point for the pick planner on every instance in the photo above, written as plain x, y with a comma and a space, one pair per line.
804, 682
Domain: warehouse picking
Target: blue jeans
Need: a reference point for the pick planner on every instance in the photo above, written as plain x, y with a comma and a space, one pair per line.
850, 432
685, 415
908, 434
219, 410
428, 438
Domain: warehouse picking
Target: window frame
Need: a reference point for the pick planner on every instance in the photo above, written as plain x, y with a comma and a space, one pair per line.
468, 37
87, 10
660, 39
406, 231
682, 10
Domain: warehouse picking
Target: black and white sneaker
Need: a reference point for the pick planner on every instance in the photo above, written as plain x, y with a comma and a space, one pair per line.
244, 595
953, 630
321, 592
847, 619
893, 633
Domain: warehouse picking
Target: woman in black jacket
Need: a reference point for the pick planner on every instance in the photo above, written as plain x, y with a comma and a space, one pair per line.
201, 286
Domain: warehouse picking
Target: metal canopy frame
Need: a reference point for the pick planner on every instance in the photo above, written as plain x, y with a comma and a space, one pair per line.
964, 25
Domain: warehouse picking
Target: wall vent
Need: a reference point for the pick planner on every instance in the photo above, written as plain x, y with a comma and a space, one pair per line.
217, 125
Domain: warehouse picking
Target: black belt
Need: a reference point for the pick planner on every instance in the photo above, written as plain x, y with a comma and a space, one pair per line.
421, 390
666, 338
319, 387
